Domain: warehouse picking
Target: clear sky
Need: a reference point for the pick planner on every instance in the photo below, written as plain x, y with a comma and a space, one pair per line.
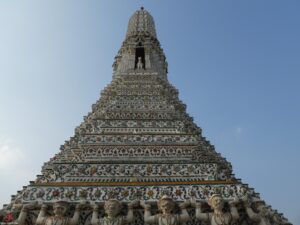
235, 63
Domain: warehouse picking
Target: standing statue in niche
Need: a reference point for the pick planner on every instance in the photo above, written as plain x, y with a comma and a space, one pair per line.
112, 209
218, 216
59, 208
263, 215
139, 64
166, 217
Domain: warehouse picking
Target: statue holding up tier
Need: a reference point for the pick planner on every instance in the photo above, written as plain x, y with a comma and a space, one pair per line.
263, 215
10, 212
59, 208
218, 216
18, 213
23, 214
112, 208
166, 217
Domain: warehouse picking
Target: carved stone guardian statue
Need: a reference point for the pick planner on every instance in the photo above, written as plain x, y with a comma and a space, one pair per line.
10, 212
112, 209
218, 216
263, 215
18, 213
59, 218
23, 214
166, 217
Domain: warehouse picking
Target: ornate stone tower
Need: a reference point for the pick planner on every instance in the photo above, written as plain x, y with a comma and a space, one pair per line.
138, 143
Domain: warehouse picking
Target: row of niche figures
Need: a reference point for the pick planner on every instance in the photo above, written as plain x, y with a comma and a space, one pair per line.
112, 208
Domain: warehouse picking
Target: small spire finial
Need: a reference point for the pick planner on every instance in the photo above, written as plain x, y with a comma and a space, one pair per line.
142, 8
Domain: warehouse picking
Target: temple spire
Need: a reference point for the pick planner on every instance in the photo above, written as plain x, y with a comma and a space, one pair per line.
141, 23
141, 51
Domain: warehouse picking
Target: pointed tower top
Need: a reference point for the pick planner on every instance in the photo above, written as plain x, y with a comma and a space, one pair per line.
141, 22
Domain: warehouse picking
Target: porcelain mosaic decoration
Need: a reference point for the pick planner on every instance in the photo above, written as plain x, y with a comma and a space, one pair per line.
136, 153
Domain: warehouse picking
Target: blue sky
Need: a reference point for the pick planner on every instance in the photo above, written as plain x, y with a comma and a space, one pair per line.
235, 63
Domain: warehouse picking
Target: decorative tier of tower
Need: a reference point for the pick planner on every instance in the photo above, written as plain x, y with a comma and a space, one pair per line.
138, 144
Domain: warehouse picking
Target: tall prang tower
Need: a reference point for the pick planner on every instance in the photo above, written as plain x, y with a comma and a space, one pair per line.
138, 143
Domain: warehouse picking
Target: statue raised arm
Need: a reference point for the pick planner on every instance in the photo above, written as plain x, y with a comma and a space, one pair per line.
261, 218
218, 216
59, 208
23, 214
166, 217
112, 208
